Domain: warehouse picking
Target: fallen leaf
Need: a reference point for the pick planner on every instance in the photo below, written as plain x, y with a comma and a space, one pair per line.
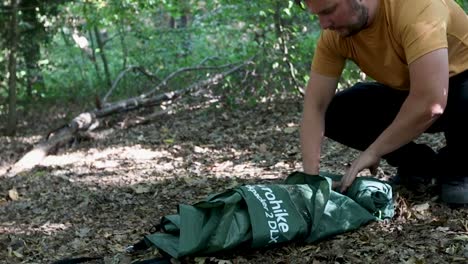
232, 185
106, 164
222, 261
450, 250
77, 243
200, 260
198, 149
17, 254
443, 228
458, 259
307, 248
414, 260
169, 141
421, 207
263, 148
13, 194
139, 189
461, 237
83, 232
290, 130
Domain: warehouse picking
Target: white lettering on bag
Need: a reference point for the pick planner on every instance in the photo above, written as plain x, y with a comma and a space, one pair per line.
274, 211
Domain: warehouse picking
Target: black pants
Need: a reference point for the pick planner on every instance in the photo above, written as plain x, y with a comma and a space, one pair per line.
358, 115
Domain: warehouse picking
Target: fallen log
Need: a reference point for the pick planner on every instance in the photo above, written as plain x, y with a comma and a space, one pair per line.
88, 121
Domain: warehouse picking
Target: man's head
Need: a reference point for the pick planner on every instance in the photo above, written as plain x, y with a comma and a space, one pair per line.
347, 17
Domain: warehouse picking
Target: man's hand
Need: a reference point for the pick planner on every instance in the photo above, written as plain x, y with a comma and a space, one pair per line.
367, 160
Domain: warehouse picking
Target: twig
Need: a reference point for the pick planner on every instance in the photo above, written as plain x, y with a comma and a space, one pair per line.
296, 82
121, 75
207, 59
186, 69
110, 38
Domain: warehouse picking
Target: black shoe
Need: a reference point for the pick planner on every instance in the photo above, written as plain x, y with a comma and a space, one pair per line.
416, 169
418, 180
454, 191
454, 182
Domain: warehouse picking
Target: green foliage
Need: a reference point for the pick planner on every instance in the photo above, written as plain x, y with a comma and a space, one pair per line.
463, 4
163, 36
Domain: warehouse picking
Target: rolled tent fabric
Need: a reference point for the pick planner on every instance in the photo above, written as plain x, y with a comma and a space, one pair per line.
371, 193
303, 208
341, 213
220, 222
374, 195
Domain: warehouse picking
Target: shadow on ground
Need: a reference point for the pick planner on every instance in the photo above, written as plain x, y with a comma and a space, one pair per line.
101, 195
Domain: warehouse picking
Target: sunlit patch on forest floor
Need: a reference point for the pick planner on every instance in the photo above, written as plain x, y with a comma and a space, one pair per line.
95, 197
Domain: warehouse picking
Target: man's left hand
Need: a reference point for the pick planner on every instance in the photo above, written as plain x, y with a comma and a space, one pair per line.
367, 160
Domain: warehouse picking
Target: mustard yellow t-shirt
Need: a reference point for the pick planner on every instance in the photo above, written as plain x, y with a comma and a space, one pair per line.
402, 31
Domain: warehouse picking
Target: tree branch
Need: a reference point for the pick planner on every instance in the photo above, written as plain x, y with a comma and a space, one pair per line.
85, 121
182, 70
121, 75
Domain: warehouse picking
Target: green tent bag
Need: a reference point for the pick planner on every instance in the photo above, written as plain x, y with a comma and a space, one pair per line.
304, 208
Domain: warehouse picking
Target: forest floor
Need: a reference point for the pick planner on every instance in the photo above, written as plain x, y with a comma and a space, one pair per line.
95, 197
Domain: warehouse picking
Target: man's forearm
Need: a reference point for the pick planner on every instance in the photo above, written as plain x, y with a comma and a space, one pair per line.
312, 128
425, 103
415, 117
319, 93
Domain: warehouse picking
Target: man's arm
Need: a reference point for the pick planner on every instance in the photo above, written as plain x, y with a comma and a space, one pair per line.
425, 103
319, 92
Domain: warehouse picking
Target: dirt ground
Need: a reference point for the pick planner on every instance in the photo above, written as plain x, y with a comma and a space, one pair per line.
95, 197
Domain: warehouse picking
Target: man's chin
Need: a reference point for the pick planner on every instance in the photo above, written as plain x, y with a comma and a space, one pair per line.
343, 32
346, 31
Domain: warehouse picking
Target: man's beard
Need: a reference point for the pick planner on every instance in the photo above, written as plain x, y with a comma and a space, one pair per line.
362, 18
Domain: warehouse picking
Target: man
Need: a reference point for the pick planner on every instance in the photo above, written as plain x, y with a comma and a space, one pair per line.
417, 52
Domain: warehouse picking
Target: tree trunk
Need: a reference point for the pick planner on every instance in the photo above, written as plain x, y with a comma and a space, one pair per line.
93, 54
283, 38
30, 47
34, 77
186, 34
12, 117
278, 22
103, 56
123, 44
172, 22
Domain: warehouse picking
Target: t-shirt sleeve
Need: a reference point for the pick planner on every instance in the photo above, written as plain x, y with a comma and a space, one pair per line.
327, 59
423, 27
